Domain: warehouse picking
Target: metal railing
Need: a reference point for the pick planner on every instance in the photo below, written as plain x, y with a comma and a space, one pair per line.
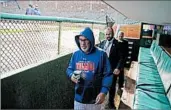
28, 41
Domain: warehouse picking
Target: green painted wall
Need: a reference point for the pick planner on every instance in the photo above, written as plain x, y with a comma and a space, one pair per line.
45, 87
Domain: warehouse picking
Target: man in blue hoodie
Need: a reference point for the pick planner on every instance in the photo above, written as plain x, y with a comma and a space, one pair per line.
89, 69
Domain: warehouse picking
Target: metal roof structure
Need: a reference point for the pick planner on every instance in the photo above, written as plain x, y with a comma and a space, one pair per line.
155, 12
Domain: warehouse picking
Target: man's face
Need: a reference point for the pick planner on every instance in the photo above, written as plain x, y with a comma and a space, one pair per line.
121, 35
109, 34
84, 44
36, 7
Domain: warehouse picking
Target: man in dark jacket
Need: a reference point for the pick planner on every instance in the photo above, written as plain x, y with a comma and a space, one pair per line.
116, 57
123, 43
89, 69
123, 47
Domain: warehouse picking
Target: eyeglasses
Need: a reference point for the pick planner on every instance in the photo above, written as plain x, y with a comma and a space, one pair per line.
83, 40
108, 34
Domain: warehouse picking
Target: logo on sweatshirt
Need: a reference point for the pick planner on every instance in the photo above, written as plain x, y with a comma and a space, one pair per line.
85, 66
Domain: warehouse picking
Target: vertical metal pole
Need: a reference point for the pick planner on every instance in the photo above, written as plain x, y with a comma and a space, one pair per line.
92, 26
59, 37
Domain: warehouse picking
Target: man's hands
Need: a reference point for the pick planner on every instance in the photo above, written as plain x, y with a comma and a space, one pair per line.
76, 76
100, 98
116, 71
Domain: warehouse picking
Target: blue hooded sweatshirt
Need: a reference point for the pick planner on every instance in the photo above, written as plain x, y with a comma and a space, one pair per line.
96, 76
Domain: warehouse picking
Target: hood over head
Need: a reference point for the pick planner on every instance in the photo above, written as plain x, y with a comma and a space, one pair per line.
88, 34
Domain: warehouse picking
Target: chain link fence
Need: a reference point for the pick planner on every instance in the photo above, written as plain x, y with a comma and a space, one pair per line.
27, 43
70, 30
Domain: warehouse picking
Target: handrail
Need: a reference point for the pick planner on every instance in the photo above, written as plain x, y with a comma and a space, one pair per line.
47, 18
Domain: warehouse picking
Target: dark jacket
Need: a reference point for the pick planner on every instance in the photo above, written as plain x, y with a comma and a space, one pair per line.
116, 55
123, 47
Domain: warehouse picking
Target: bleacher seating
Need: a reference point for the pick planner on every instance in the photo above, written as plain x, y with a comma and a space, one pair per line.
151, 91
163, 63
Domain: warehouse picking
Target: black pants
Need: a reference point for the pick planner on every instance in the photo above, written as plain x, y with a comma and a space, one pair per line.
113, 87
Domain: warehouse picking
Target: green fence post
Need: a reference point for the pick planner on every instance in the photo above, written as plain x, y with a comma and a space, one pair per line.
92, 26
59, 37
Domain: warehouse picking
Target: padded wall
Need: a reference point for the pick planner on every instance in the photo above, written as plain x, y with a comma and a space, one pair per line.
42, 87
150, 92
163, 63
